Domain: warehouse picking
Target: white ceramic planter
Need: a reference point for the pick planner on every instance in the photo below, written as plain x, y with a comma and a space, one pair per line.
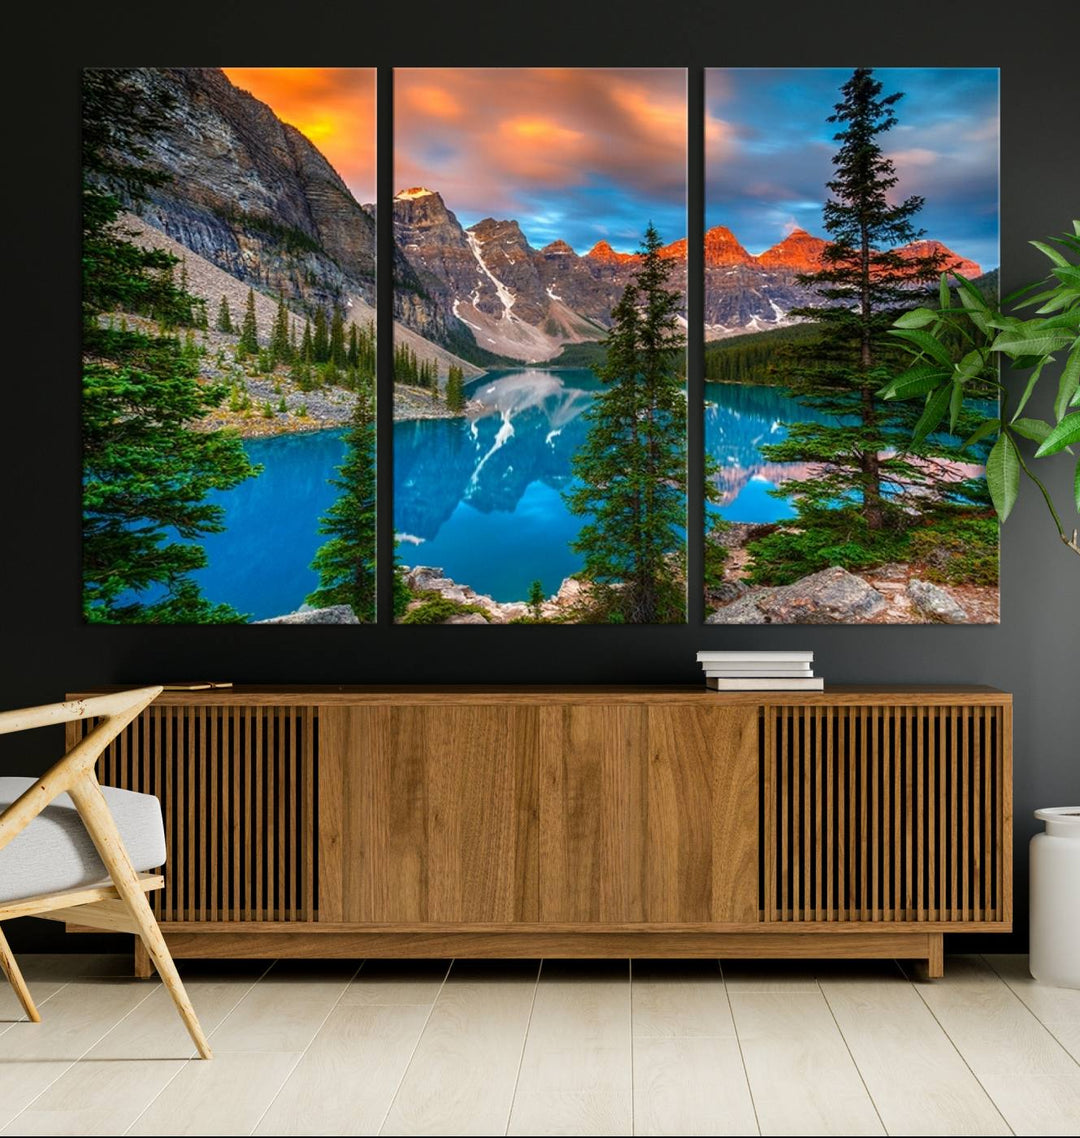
1055, 898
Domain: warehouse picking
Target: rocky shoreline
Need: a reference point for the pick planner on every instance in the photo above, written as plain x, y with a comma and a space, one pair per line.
429, 579
896, 593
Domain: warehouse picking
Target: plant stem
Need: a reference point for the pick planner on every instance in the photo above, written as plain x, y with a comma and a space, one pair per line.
1072, 542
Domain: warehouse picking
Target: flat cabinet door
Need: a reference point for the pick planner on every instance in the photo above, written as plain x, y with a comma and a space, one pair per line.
649, 814
428, 813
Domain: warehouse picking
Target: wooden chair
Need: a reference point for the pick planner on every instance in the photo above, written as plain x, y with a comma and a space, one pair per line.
107, 891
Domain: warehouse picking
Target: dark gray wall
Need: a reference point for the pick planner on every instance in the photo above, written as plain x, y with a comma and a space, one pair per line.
44, 647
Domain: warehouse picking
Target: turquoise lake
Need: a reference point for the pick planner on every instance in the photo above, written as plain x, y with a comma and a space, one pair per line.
482, 499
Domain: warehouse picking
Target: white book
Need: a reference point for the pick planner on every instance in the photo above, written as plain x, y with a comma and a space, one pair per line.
764, 684
752, 674
758, 669
756, 657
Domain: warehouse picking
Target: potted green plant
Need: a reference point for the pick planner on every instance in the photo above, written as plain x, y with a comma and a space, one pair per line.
957, 348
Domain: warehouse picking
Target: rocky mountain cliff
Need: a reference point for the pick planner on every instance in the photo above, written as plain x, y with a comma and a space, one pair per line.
250, 193
526, 303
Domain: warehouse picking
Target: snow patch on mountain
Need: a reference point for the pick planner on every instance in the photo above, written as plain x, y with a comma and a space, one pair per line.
506, 297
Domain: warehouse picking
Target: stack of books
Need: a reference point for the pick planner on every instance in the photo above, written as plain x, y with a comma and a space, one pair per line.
760, 671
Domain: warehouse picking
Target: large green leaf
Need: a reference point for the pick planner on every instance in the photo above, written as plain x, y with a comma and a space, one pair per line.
916, 318
925, 343
981, 431
1032, 380
1003, 475
1034, 429
936, 405
915, 381
1050, 251
1068, 385
1030, 341
956, 405
943, 292
1064, 434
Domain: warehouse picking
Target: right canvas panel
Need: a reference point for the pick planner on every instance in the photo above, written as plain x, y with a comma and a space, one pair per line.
836, 200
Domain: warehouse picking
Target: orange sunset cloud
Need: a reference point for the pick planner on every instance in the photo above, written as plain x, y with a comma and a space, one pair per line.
334, 107
577, 153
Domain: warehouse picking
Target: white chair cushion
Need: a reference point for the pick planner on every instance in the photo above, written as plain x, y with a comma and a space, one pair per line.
55, 852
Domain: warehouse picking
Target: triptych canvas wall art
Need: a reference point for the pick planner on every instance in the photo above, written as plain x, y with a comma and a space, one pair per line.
539, 457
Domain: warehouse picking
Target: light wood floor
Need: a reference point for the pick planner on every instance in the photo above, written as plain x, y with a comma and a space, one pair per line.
514, 1047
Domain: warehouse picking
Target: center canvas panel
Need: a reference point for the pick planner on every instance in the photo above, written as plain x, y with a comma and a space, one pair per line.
539, 375
837, 199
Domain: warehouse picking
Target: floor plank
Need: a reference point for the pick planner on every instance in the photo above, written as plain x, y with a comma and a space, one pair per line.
34, 1055
576, 1071
1033, 1080
679, 998
397, 982
96, 1097
1057, 1009
285, 1009
227, 1095
347, 1078
691, 1084
801, 1076
769, 975
155, 1031
461, 1079
918, 1081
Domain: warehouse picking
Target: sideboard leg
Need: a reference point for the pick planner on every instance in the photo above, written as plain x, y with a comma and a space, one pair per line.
143, 970
935, 964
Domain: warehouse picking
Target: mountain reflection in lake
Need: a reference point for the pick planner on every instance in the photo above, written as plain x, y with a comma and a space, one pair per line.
482, 498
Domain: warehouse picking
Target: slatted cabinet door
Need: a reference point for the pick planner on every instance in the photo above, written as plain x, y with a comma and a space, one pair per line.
433, 816
647, 814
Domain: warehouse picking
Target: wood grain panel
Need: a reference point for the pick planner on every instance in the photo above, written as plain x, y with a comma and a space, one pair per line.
438, 812
645, 814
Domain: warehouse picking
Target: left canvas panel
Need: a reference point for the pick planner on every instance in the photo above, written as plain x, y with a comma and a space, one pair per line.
228, 310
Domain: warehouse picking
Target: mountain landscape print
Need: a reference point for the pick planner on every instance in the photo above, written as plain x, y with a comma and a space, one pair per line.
539, 377
228, 345
836, 201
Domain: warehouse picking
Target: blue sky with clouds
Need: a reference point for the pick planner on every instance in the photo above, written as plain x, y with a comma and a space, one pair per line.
769, 151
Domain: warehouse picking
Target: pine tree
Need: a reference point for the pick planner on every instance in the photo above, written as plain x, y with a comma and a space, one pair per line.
249, 329
346, 562
353, 354
146, 470
280, 349
307, 346
632, 466
224, 318
536, 600
338, 353
863, 285
455, 389
320, 339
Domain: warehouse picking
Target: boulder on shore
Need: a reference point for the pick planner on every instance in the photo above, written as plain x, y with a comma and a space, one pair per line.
935, 602
831, 596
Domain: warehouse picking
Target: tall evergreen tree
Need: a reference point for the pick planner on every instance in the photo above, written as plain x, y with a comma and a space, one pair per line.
346, 562
455, 389
337, 352
146, 470
320, 338
249, 329
863, 284
632, 466
224, 317
353, 355
280, 349
307, 345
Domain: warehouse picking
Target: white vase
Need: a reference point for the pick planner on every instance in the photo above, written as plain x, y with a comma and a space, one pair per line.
1055, 898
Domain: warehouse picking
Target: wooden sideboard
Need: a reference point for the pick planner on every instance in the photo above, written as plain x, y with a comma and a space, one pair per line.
576, 821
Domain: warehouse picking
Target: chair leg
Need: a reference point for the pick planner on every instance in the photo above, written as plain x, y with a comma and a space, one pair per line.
15, 979
106, 838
